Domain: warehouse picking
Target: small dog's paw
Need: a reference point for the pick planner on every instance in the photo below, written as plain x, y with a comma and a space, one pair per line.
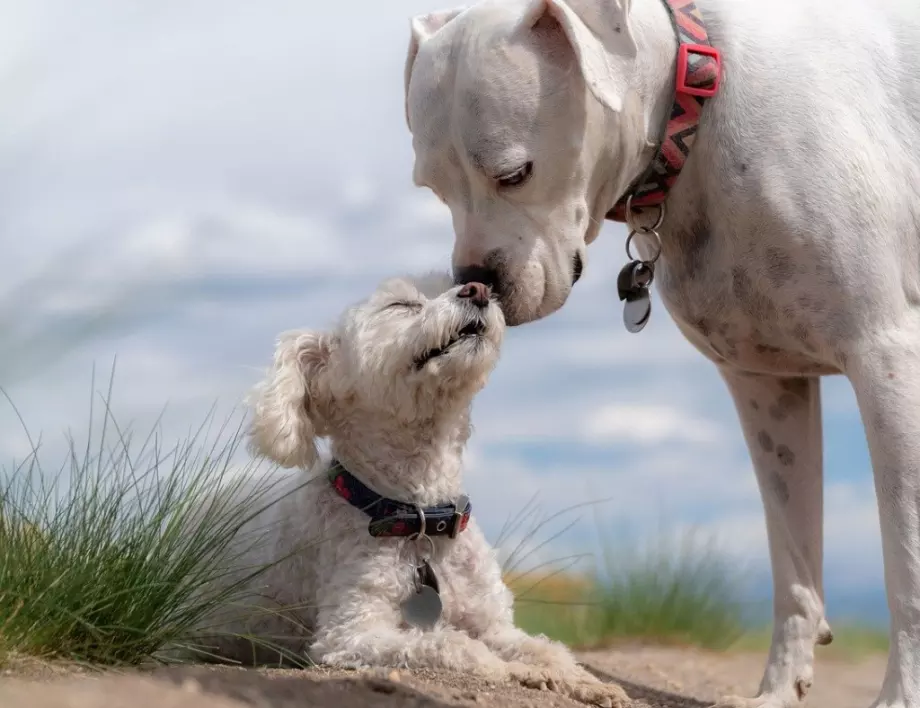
577, 684
533, 676
546, 653
348, 660
597, 693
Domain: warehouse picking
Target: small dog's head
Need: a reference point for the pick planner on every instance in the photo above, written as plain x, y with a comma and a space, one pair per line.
524, 123
414, 349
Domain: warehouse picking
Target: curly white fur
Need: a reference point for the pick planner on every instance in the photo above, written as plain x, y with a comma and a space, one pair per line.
401, 429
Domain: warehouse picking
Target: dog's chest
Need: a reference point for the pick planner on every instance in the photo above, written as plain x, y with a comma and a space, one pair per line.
461, 587
458, 591
471, 584
751, 308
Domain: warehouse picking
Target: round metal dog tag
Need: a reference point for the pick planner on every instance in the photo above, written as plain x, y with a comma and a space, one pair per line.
636, 313
423, 608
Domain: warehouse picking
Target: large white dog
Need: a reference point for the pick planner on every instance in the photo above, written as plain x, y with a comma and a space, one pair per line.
789, 247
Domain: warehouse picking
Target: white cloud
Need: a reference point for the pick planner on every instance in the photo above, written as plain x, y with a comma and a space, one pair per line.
648, 424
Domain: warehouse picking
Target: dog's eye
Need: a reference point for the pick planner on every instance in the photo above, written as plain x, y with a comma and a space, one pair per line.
516, 178
405, 304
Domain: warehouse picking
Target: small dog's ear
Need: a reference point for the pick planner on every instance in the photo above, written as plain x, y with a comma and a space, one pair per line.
602, 40
287, 406
421, 27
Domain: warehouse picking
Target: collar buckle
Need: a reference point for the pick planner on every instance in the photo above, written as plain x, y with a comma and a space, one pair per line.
702, 77
461, 509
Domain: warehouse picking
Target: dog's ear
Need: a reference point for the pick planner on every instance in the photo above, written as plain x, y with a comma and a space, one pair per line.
602, 41
288, 405
421, 27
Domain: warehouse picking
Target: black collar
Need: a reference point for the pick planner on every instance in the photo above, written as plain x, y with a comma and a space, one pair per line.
395, 518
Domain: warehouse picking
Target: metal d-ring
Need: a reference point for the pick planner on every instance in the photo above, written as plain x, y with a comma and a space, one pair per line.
654, 227
645, 230
422, 536
648, 232
421, 518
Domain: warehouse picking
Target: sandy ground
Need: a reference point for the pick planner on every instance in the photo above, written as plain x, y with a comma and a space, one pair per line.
687, 678
654, 677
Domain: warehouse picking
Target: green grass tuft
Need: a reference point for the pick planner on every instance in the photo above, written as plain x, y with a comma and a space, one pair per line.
678, 592
687, 595
118, 556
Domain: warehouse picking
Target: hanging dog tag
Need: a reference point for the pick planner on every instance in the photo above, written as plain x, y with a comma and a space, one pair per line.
636, 312
632, 286
423, 608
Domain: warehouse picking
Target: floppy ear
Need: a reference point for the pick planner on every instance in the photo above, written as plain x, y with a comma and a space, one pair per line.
288, 404
421, 27
603, 44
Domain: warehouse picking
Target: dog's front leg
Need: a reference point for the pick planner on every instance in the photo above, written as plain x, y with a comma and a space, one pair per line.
885, 374
362, 645
514, 644
383, 645
781, 421
365, 631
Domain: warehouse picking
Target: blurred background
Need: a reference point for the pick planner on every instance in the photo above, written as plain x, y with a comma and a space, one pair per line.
181, 181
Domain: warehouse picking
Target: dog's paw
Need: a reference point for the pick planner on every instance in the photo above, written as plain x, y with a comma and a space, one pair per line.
783, 699
577, 684
548, 654
348, 660
598, 693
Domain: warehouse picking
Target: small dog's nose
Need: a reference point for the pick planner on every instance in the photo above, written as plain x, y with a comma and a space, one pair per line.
476, 292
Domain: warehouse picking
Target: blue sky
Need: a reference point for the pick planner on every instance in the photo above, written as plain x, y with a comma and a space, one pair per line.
206, 174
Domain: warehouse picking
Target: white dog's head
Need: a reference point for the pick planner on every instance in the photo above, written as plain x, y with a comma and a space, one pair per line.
415, 349
525, 123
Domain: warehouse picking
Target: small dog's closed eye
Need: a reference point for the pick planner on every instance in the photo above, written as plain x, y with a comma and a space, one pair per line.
380, 552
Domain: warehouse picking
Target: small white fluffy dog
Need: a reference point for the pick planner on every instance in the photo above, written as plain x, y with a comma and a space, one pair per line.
391, 388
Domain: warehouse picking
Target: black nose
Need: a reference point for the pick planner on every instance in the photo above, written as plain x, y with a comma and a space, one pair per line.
476, 274
476, 292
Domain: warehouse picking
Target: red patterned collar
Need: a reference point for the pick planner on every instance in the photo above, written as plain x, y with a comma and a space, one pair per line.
699, 71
